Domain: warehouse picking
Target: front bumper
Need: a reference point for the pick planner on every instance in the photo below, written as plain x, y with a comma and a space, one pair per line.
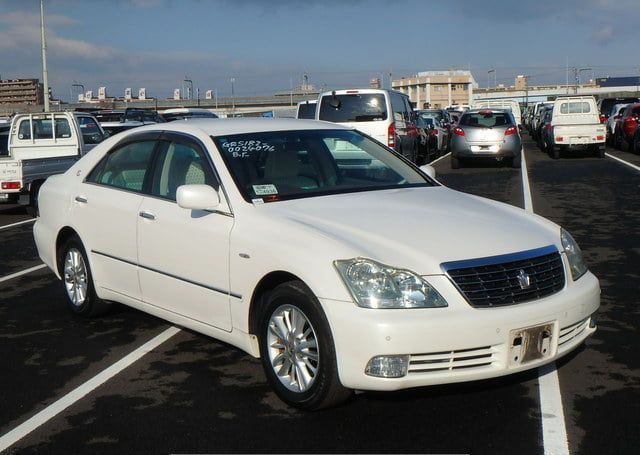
474, 342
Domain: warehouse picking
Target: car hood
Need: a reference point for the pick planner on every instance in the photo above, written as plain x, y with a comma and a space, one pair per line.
417, 228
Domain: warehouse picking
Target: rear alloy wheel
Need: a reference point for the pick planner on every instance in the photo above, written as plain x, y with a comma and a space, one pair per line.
78, 281
297, 349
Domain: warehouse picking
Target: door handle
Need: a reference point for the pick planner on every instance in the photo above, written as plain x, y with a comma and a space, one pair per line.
81, 199
147, 215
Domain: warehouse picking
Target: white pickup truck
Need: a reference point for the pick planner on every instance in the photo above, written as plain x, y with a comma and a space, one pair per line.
575, 125
40, 145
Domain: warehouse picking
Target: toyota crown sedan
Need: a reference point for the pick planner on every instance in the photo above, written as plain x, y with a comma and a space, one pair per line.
317, 249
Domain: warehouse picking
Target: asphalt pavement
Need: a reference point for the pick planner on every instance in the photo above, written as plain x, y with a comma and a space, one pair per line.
193, 394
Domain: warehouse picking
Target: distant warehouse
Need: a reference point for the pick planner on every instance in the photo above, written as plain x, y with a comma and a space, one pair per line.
21, 91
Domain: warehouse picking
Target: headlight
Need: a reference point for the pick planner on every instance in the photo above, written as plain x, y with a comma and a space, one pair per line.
375, 285
574, 255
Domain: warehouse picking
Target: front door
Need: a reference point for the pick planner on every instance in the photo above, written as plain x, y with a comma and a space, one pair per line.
184, 254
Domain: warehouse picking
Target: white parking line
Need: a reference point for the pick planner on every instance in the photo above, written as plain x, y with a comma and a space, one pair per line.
17, 224
554, 431
13, 436
438, 159
526, 190
637, 168
24, 272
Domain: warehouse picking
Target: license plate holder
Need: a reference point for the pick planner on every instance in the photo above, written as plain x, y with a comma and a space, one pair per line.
530, 344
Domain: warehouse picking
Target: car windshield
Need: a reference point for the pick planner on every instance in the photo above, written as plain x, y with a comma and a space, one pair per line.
485, 119
365, 107
279, 165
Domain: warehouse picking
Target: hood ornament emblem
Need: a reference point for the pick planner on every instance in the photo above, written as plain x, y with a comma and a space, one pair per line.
523, 279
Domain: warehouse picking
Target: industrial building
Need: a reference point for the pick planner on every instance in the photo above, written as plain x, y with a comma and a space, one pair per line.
21, 91
437, 89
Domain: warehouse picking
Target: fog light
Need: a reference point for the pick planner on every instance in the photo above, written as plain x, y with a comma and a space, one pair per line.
593, 321
388, 366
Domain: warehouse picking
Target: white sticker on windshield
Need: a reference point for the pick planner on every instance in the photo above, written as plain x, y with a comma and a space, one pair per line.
265, 190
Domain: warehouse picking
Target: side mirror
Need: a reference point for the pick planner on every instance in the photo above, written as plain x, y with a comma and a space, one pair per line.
429, 170
197, 197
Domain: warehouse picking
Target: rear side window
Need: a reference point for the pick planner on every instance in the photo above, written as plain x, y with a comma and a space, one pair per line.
180, 164
575, 107
487, 119
125, 167
357, 107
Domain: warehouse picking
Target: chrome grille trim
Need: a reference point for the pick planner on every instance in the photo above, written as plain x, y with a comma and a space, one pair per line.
493, 281
433, 362
570, 332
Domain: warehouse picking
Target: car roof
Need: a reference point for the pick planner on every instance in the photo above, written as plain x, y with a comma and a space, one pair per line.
229, 126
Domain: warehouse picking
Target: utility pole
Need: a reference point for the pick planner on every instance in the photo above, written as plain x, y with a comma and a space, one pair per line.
45, 75
233, 98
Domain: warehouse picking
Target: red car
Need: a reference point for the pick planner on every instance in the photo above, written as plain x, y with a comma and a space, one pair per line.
626, 127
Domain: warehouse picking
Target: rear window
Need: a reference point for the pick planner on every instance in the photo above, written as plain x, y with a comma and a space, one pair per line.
307, 111
431, 114
486, 119
353, 108
575, 107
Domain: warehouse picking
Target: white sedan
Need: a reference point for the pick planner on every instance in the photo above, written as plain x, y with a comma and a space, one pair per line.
319, 250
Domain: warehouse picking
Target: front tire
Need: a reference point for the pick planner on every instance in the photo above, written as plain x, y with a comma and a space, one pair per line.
297, 349
78, 280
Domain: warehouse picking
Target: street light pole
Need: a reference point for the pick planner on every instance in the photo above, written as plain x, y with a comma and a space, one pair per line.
488, 73
233, 98
45, 75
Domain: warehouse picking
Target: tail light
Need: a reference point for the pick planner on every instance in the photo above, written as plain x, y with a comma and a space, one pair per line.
599, 138
11, 185
458, 131
434, 132
412, 130
603, 118
511, 130
391, 137
559, 139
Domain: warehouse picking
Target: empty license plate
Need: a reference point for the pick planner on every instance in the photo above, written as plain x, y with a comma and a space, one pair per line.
530, 343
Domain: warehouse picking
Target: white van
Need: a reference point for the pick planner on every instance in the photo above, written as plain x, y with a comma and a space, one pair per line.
385, 115
501, 104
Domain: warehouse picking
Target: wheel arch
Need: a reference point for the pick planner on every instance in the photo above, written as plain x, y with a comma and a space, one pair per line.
63, 235
267, 283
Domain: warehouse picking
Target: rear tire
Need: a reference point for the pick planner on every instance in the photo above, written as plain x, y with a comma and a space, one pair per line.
297, 349
516, 162
600, 151
455, 162
554, 152
78, 280
34, 192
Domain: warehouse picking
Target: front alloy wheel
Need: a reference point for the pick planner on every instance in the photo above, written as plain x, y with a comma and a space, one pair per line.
293, 348
297, 348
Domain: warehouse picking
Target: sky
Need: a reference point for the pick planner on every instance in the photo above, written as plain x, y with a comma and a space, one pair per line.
268, 45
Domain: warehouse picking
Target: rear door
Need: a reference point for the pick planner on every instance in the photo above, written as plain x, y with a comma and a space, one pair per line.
105, 212
184, 254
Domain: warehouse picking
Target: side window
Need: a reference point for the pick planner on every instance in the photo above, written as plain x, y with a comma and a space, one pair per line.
125, 167
63, 129
398, 107
24, 130
180, 164
409, 110
42, 128
91, 133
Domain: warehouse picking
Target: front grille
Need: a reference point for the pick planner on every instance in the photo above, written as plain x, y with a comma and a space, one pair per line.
490, 282
460, 359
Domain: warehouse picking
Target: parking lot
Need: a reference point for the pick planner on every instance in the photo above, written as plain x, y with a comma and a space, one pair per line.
190, 393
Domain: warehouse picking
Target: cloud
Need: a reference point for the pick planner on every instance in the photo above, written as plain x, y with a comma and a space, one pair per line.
604, 35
